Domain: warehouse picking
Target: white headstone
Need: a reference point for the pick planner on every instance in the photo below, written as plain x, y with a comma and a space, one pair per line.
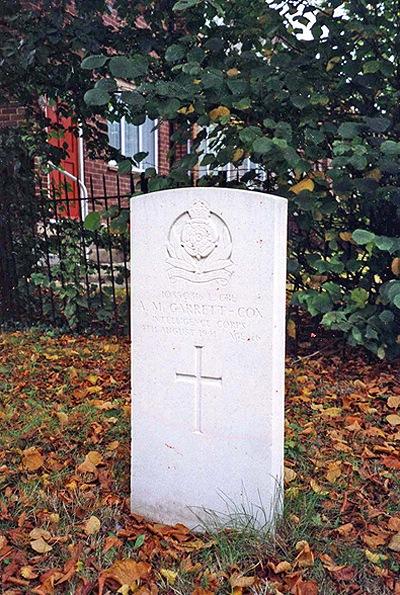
208, 312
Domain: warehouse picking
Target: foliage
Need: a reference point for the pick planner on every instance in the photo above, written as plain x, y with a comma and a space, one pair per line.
71, 281
18, 216
65, 525
310, 94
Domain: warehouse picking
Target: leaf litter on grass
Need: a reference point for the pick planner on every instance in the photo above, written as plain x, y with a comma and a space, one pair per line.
65, 525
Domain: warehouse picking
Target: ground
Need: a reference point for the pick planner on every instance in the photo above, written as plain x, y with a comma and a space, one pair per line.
65, 525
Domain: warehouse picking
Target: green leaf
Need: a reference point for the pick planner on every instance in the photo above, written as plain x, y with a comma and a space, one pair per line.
139, 541
390, 147
185, 4
95, 61
371, 67
129, 68
362, 236
359, 296
97, 97
92, 221
262, 145
348, 129
125, 166
175, 53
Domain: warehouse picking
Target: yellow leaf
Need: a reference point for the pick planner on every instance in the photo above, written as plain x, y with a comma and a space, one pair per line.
232, 72
393, 419
32, 460
28, 572
394, 543
92, 378
394, 402
334, 471
291, 328
317, 488
332, 63
306, 184
290, 475
219, 112
54, 517
113, 445
40, 546
189, 109
331, 411
374, 174
373, 557
170, 575
125, 590
62, 417
92, 526
237, 154
346, 236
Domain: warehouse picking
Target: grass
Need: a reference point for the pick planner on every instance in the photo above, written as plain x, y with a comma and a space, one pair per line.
66, 397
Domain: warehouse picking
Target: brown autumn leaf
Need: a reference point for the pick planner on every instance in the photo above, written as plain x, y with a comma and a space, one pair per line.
237, 580
124, 572
305, 557
283, 566
41, 546
373, 541
345, 530
38, 533
394, 523
32, 460
394, 543
92, 526
395, 266
92, 460
392, 462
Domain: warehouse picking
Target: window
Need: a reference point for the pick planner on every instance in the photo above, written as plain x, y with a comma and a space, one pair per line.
233, 172
131, 139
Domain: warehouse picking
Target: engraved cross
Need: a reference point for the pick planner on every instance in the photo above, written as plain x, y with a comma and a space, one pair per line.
198, 379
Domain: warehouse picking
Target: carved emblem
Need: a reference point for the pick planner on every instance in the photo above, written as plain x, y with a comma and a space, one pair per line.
200, 246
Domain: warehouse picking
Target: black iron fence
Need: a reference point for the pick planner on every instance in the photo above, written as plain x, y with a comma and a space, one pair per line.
68, 266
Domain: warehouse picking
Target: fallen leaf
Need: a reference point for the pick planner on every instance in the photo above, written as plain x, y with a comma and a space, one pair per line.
394, 523
305, 558
394, 543
237, 580
334, 471
92, 526
283, 566
28, 572
40, 546
394, 402
170, 575
38, 533
92, 460
125, 572
393, 419
373, 557
32, 460
290, 475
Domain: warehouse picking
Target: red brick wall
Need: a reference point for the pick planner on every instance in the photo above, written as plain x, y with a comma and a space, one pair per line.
11, 115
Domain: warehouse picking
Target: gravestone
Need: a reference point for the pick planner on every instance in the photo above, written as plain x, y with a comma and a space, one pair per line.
208, 328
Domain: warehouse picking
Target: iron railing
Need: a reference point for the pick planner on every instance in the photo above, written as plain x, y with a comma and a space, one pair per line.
66, 272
